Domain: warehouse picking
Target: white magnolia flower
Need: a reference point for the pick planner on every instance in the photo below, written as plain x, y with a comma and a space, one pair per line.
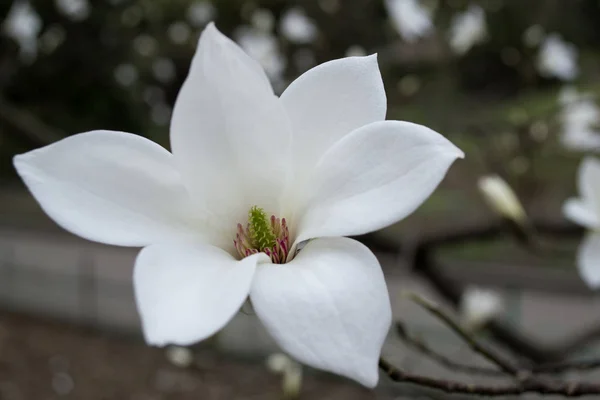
580, 119
585, 211
558, 58
297, 27
479, 306
250, 176
23, 24
501, 198
467, 29
410, 18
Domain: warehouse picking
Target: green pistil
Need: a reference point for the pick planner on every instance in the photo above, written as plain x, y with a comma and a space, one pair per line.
261, 232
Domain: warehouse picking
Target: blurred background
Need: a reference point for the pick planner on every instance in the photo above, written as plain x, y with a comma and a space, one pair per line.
512, 83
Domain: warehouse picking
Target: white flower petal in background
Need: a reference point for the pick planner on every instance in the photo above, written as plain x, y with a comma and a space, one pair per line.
468, 29
264, 48
23, 24
181, 357
580, 119
328, 307
291, 374
585, 211
356, 51
588, 259
77, 10
410, 18
297, 27
501, 198
479, 306
557, 58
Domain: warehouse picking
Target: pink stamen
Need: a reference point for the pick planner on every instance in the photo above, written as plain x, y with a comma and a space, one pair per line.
278, 253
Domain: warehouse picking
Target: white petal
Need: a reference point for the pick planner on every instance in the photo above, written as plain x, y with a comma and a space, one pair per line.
581, 213
330, 101
186, 293
374, 177
585, 210
229, 133
589, 181
110, 187
328, 308
588, 259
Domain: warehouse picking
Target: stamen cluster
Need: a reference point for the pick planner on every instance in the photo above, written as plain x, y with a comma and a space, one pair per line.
263, 235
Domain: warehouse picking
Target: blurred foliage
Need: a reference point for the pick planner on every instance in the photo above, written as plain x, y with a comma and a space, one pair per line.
120, 65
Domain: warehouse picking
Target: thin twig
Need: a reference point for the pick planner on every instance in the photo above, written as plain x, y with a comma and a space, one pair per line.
441, 359
479, 348
424, 264
560, 367
567, 389
519, 344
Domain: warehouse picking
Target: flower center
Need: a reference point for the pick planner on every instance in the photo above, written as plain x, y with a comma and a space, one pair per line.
263, 235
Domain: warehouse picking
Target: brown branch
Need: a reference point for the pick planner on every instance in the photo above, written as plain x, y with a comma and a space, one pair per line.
567, 389
441, 359
550, 368
496, 359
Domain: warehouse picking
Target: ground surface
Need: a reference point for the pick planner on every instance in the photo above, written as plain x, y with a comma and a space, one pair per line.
46, 360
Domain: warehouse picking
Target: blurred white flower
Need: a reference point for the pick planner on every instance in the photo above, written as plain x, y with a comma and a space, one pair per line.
580, 119
201, 13
126, 74
23, 24
179, 32
585, 211
297, 27
468, 29
250, 176
77, 10
179, 356
290, 371
410, 18
263, 19
558, 58
533, 35
356, 51
52, 38
479, 306
160, 113
501, 198
145, 45
264, 48
164, 69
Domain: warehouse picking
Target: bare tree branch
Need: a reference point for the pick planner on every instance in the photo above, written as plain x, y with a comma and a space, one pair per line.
567, 389
452, 365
